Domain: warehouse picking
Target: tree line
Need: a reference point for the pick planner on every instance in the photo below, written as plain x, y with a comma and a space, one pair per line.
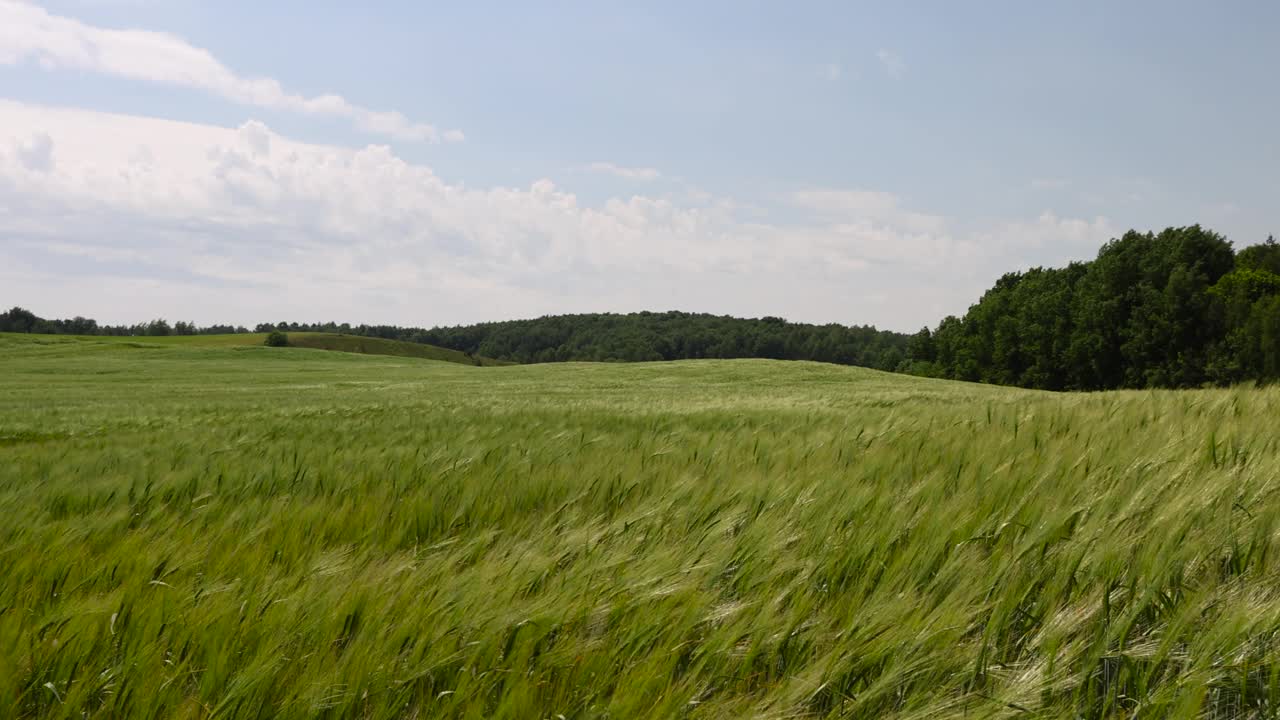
644, 336
1179, 308
1175, 309
601, 337
671, 336
21, 320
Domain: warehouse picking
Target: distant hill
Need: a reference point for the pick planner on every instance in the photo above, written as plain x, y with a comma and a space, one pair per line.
316, 341
378, 346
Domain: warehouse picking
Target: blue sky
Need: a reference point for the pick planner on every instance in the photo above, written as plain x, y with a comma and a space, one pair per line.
425, 163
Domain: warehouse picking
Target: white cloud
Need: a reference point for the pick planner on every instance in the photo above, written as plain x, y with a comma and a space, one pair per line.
833, 71
629, 173
1048, 240
893, 64
29, 33
244, 225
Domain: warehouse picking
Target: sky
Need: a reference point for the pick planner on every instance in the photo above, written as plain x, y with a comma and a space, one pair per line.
430, 163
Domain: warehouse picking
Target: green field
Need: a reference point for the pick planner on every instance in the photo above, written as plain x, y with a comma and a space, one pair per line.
195, 531
311, 340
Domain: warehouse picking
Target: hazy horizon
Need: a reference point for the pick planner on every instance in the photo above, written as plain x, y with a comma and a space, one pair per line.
426, 166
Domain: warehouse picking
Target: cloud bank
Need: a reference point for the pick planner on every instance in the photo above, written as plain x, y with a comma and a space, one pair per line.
28, 33
244, 225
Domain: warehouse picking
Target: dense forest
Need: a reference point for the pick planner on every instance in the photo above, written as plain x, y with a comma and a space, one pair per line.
1174, 309
1180, 308
672, 336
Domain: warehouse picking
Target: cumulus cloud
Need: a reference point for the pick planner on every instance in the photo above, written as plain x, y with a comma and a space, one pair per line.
1046, 240
30, 33
629, 173
242, 224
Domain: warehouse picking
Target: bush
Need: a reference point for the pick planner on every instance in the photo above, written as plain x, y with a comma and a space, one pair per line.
277, 339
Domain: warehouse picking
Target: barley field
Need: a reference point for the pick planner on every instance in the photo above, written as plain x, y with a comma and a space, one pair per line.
251, 532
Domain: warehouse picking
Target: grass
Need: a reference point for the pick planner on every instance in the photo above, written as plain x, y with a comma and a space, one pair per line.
312, 340
198, 532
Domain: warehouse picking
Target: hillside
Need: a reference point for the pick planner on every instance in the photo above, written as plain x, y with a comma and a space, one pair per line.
379, 346
206, 531
315, 341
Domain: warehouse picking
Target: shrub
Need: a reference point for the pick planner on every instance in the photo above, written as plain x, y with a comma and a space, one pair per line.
277, 339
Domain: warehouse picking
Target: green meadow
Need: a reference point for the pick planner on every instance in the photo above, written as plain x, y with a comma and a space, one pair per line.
203, 530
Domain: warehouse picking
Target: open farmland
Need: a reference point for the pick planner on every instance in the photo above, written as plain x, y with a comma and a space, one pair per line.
229, 532
312, 340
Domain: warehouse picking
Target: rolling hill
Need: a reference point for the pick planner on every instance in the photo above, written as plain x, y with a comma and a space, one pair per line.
312, 340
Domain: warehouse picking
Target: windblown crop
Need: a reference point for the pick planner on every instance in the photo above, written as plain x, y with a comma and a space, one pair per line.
286, 533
